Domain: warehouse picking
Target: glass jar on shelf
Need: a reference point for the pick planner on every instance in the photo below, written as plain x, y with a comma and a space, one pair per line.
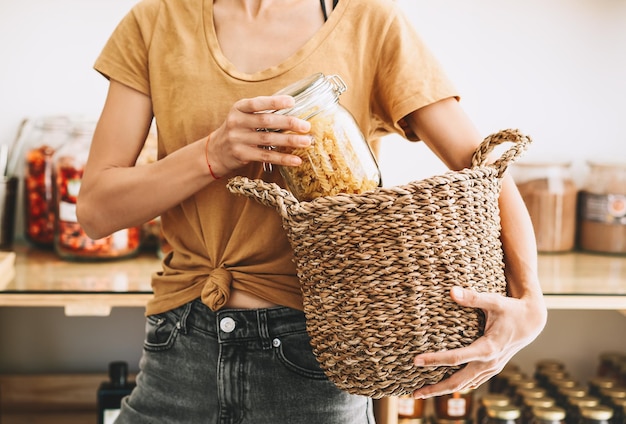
70, 240
42, 138
602, 226
457, 406
340, 159
507, 414
410, 410
547, 415
550, 195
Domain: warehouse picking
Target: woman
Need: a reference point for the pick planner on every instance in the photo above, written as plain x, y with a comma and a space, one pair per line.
225, 337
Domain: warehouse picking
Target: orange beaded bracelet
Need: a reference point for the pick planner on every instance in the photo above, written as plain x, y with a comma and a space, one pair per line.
206, 155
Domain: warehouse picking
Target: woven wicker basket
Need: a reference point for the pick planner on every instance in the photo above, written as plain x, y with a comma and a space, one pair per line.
376, 269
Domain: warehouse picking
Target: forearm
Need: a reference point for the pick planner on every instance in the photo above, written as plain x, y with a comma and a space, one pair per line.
121, 197
518, 243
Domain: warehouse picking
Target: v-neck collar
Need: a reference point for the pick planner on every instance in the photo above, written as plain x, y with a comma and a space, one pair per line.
309, 47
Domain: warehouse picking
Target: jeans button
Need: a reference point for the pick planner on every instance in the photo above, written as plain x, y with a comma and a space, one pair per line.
227, 324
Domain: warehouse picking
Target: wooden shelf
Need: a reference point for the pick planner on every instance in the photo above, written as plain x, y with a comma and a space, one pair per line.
583, 281
40, 278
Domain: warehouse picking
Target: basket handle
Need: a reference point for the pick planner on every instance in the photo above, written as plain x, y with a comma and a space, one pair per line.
268, 194
490, 142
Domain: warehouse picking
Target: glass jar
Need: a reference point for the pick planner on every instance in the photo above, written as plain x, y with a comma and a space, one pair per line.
602, 226
45, 137
340, 159
70, 240
505, 380
454, 406
530, 404
523, 383
575, 405
546, 367
550, 195
507, 414
609, 364
599, 414
530, 393
547, 415
410, 410
487, 401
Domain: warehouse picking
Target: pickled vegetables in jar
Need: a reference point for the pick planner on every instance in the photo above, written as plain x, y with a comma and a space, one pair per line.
70, 241
47, 135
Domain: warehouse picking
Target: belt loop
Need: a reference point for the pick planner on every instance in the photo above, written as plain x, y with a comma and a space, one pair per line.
184, 316
263, 328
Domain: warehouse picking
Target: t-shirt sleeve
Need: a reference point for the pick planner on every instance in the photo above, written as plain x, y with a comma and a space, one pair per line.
124, 57
408, 75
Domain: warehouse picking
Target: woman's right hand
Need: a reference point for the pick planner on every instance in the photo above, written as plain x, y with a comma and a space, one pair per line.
241, 138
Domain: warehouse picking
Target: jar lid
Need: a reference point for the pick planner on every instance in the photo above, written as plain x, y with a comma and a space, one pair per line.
564, 383
603, 382
309, 92
584, 401
549, 364
575, 391
504, 412
599, 413
544, 402
491, 399
524, 383
614, 392
532, 393
549, 413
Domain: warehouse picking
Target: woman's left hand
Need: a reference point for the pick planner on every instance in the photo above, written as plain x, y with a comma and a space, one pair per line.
511, 324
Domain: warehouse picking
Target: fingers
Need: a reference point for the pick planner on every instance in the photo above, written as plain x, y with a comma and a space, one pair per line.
257, 113
251, 132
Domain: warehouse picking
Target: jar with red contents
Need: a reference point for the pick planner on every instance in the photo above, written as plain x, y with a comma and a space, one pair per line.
70, 240
45, 136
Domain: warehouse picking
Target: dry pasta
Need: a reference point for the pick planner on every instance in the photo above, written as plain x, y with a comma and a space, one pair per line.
330, 166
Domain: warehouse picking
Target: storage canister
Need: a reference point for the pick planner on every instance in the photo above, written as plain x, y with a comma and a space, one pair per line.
42, 138
602, 217
70, 240
549, 193
340, 159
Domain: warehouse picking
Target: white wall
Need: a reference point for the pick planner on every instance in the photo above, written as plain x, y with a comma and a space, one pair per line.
555, 69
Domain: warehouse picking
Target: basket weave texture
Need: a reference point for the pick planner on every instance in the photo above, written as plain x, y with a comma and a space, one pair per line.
376, 269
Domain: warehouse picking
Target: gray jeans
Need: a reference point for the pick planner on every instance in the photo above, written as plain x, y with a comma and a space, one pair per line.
235, 366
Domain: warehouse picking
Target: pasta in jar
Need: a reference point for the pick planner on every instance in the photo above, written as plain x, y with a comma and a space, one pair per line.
339, 160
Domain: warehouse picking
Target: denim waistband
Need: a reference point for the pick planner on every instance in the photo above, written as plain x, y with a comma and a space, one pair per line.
240, 325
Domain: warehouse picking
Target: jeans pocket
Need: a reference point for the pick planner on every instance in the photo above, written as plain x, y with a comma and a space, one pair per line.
295, 353
161, 332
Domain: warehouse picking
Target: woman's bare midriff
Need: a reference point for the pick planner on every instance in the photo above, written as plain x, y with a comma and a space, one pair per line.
243, 300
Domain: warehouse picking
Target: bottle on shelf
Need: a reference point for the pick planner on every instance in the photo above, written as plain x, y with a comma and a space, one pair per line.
575, 405
488, 400
599, 414
507, 414
547, 415
111, 393
410, 410
457, 406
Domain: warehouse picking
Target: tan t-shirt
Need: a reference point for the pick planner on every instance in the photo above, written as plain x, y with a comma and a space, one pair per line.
168, 50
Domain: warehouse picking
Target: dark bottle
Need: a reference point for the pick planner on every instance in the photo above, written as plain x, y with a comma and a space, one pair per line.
111, 393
